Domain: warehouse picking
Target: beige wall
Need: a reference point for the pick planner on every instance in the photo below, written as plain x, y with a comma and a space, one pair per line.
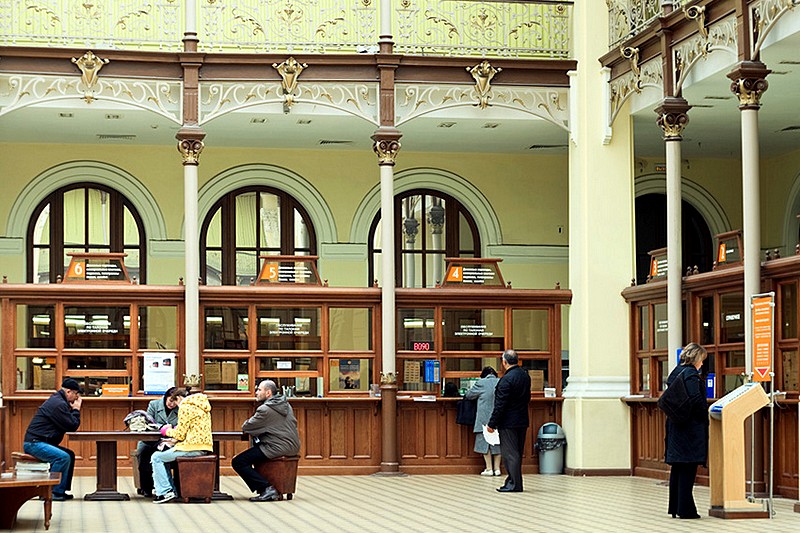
528, 194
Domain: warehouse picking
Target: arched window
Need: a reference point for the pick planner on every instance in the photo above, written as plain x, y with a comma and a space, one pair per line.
428, 226
83, 218
246, 224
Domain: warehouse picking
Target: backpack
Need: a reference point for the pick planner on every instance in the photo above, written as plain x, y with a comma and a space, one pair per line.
676, 402
466, 411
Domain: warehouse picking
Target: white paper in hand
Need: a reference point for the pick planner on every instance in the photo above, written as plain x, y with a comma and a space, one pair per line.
493, 438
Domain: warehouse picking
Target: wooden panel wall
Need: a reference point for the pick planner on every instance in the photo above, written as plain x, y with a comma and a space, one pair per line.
647, 450
430, 441
336, 437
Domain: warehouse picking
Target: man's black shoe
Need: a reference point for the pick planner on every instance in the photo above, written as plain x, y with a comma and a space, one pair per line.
269, 495
60, 497
508, 489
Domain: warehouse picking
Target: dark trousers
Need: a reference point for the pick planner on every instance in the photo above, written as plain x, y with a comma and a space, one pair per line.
243, 465
512, 444
145, 468
681, 483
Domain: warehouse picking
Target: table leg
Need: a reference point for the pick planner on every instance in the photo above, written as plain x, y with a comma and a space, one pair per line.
218, 495
47, 495
106, 474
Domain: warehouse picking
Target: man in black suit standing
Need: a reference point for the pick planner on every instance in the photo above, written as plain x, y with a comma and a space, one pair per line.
510, 418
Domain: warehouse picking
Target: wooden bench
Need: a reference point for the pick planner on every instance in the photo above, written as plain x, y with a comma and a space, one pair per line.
281, 473
24, 457
196, 477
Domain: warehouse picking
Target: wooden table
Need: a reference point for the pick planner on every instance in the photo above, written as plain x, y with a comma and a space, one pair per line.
14, 491
107, 458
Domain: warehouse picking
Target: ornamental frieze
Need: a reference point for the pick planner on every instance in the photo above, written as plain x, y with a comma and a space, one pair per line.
220, 98
548, 103
22, 90
764, 15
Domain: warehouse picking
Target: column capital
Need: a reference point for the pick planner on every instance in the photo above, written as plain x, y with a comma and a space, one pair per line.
749, 83
673, 117
386, 145
190, 144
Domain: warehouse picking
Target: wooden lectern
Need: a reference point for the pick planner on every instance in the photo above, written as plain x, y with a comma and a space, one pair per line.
726, 452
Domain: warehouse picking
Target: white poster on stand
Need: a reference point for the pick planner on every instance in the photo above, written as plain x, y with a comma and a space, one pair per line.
159, 372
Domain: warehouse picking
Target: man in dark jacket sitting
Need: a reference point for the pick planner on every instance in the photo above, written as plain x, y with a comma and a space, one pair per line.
57, 415
274, 431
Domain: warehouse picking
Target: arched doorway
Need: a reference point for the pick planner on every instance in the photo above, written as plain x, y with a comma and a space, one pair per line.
651, 234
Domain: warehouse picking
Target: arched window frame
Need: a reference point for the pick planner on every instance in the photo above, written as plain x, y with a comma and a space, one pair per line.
453, 208
117, 203
228, 227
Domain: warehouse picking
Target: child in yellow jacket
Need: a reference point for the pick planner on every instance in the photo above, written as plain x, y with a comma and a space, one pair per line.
192, 436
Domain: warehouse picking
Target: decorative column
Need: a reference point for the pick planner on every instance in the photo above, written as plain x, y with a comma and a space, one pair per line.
190, 144
436, 224
749, 83
410, 231
386, 147
672, 118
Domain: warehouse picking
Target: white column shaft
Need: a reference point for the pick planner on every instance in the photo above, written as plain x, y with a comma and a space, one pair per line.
192, 267
191, 16
674, 252
387, 269
752, 222
386, 18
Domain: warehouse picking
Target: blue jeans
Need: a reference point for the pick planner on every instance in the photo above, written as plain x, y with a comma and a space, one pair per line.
61, 460
162, 480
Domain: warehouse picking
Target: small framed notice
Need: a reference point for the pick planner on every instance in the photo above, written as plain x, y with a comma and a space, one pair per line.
472, 272
97, 268
284, 269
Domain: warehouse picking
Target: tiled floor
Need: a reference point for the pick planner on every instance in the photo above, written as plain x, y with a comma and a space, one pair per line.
405, 505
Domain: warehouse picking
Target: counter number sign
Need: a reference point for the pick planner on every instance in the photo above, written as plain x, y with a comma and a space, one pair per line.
77, 270
455, 274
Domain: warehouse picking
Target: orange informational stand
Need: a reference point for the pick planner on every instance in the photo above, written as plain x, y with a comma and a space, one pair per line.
726, 452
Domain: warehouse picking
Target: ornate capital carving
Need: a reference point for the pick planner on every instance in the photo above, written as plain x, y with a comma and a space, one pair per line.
749, 83
673, 117
436, 218
388, 378
483, 73
698, 14
190, 150
387, 151
89, 65
289, 71
192, 380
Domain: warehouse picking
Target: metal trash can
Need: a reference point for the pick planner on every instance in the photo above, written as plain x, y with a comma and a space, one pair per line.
550, 444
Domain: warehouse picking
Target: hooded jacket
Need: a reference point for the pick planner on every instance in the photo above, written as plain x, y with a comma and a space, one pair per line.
275, 427
158, 410
193, 431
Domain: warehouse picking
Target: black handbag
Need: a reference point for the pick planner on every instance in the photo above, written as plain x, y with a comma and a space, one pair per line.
466, 411
675, 400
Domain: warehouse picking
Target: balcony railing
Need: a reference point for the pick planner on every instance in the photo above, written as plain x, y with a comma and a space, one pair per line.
423, 27
626, 18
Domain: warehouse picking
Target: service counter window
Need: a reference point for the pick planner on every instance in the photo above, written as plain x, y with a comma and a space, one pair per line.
97, 327
649, 362
350, 374
289, 328
707, 322
226, 374
531, 330
226, 328
643, 327
35, 326
473, 330
788, 317
419, 374
661, 326
158, 327
350, 329
731, 325
415, 331
102, 385
789, 370
644, 374
36, 373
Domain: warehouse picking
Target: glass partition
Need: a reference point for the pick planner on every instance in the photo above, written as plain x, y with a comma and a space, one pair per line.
350, 374
226, 374
35, 326
158, 327
530, 330
475, 330
36, 373
289, 328
350, 329
97, 327
415, 330
226, 328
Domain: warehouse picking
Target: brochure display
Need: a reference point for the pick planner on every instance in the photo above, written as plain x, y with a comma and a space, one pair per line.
726, 452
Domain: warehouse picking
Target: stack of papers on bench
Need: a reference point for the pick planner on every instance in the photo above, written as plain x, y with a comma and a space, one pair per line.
30, 468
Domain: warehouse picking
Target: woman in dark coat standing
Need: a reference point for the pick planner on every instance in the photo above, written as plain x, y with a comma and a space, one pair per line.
687, 443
